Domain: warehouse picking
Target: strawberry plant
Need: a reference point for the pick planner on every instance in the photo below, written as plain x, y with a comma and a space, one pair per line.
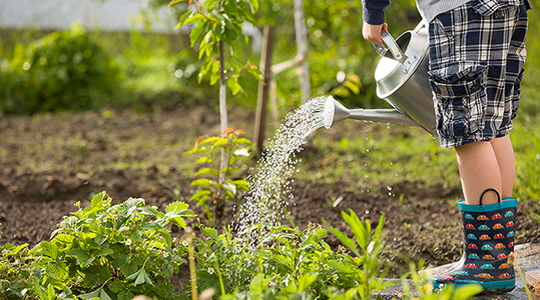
102, 251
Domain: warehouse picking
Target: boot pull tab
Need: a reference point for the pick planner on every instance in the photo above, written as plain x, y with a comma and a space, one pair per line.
490, 190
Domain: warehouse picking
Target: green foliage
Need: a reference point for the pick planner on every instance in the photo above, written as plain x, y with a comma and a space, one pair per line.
418, 286
287, 263
105, 251
217, 31
63, 71
367, 246
214, 183
117, 252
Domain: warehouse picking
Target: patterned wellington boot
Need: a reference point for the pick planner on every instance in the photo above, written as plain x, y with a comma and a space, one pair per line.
461, 261
488, 234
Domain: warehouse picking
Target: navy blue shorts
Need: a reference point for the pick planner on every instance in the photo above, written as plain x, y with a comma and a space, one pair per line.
476, 54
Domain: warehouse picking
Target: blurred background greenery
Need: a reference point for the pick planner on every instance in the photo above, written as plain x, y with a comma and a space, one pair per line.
142, 70
81, 69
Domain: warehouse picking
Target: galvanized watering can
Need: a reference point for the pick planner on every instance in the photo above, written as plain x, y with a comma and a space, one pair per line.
402, 81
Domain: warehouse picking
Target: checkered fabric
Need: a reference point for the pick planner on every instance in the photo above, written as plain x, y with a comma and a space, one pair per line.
476, 53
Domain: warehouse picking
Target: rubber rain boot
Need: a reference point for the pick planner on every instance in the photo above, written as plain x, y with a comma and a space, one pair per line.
461, 261
488, 235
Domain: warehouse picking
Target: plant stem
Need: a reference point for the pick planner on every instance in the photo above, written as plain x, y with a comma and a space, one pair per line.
191, 258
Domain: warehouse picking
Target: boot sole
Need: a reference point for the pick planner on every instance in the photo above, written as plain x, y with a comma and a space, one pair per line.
494, 287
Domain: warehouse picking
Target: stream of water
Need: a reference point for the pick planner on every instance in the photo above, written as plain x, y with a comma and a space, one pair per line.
270, 179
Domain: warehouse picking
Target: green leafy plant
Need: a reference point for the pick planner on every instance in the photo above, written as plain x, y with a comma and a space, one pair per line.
367, 246
217, 31
287, 262
63, 71
214, 183
102, 251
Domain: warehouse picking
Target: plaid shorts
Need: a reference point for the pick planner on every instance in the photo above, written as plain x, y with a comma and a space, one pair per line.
476, 57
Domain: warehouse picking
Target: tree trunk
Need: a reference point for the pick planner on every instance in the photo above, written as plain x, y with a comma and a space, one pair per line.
220, 201
264, 86
222, 88
301, 43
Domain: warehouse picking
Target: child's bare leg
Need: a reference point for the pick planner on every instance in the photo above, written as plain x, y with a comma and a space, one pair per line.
478, 170
507, 163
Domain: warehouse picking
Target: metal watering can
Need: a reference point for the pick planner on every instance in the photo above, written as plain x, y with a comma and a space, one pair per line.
402, 81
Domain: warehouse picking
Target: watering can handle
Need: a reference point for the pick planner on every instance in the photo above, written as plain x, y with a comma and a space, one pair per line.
392, 46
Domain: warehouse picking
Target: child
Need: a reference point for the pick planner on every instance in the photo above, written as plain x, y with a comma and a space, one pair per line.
476, 56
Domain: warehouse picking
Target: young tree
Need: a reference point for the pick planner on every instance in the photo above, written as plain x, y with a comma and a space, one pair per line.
217, 32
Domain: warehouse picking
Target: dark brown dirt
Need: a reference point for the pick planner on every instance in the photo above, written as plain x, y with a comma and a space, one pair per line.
49, 162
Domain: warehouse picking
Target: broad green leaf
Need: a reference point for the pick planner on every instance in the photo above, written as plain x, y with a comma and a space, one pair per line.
361, 231
202, 182
209, 140
221, 142
99, 294
49, 249
207, 171
203, 160
176, 1
149, 210
63, 239
96, 276
240, 184
258, 283
195, 150
345, 268
183, 18
233, 84
14, 250
176, 207
306, 280
104, 252
211, 232
214, 77
151, 226
83, 257
140, 277
201, 193
241, 141
97, 201
197, 32
343, 238
255, 5
127, 265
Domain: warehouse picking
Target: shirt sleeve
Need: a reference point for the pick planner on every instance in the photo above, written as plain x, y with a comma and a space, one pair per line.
374, 11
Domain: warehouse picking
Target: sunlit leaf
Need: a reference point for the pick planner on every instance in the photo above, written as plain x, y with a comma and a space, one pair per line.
176, 1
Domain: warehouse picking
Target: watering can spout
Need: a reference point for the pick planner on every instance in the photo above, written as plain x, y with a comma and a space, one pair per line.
335, 112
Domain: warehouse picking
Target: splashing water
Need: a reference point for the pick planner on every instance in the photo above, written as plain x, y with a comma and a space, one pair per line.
265, 203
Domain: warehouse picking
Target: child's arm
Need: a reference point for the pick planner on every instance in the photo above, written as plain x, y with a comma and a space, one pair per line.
374, 15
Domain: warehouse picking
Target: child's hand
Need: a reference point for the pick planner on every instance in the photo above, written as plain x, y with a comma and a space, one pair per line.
372, 33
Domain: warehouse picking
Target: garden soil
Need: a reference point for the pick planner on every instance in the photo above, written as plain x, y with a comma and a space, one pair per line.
49, 162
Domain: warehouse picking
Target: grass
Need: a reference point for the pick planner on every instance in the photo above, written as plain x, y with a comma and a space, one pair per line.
378, 156
161, 72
